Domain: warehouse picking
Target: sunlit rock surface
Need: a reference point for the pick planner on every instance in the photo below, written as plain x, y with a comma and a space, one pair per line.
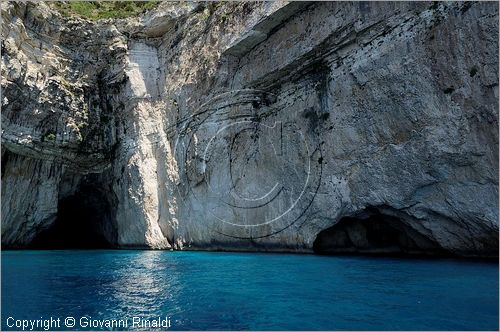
253, 126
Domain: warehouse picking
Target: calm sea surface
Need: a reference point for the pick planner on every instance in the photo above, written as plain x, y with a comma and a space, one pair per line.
234, 291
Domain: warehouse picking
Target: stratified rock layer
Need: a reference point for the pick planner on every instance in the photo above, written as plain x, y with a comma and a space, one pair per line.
254, 126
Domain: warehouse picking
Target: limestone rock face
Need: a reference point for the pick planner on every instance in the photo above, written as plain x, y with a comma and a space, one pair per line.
283, 126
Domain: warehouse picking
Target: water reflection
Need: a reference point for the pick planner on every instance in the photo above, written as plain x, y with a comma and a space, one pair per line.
224, 291
146, 284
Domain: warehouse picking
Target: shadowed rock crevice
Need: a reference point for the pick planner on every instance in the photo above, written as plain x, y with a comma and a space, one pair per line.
376, 234
84, 221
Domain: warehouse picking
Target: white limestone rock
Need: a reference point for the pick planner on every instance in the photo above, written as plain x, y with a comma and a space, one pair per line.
255, 126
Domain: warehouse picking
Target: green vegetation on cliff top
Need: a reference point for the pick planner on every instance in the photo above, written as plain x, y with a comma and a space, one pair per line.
95, 10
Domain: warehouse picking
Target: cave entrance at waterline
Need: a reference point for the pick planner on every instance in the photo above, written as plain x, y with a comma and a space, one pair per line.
374, 233
84, 221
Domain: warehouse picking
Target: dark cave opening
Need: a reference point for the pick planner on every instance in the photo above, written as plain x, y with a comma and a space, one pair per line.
84, 221
377, 234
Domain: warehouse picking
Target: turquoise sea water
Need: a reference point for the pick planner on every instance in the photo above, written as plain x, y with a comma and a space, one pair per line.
222, 291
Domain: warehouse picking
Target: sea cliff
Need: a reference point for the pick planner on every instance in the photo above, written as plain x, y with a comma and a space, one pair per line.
277, 126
